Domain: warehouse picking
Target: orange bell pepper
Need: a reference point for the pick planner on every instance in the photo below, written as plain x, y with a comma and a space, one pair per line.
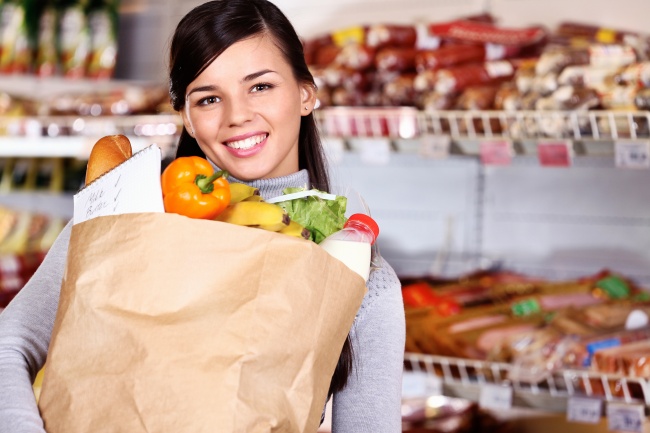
192, 188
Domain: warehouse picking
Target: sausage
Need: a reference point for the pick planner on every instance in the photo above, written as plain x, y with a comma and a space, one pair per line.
396, 59
556, 59
384, 35
401, 91
357, 57
458, 78
449, 56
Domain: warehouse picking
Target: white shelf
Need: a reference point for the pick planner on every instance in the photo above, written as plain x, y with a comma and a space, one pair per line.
465, 378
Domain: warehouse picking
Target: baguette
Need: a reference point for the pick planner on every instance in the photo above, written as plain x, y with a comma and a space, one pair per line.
106, 154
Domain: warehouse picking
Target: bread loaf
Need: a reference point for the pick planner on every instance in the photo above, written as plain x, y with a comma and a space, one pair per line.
106, 154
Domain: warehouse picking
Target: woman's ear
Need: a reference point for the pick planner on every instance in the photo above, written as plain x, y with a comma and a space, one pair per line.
308, 98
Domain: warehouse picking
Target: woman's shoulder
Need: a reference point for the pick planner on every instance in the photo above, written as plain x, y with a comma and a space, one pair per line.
384, 287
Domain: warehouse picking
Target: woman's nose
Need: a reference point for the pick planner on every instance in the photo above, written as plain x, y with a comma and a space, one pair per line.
238, 112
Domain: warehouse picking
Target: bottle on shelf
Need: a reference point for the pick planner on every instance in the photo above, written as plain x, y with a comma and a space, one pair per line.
352, 244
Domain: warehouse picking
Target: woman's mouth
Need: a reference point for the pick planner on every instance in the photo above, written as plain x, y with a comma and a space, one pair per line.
246, 143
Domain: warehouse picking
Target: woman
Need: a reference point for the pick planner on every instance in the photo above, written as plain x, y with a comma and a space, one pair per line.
239, 80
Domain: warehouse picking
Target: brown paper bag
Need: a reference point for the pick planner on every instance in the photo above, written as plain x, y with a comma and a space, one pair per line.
168, 324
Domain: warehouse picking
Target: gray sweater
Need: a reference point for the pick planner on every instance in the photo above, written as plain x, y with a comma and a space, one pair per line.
370, 402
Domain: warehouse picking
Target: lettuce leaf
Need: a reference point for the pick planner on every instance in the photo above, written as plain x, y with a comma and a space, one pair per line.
321, 217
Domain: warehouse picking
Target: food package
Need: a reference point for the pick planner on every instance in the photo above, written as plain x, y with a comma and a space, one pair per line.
195, 330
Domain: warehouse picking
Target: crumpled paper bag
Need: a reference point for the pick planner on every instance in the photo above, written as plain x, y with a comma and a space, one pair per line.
170, 324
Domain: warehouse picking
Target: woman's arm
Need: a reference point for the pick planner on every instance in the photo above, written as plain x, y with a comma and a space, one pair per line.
25, 330
371, 402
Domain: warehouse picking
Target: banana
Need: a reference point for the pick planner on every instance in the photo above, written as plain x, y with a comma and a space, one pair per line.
256, 198
241, 191
296, 229
255, 214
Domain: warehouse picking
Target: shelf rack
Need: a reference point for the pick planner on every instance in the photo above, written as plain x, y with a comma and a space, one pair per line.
69, 136
409, 123
465, 377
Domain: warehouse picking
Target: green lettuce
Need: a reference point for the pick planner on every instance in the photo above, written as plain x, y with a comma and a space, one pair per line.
321, 217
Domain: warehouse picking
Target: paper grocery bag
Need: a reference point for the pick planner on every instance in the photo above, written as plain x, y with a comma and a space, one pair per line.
169, 324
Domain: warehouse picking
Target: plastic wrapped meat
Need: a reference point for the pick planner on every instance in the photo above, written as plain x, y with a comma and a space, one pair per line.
396, 59
383, 35
449, 56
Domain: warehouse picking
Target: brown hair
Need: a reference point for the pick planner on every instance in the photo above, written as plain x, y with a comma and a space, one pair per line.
200, 37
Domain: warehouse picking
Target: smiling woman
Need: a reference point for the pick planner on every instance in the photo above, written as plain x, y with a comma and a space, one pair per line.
244, 110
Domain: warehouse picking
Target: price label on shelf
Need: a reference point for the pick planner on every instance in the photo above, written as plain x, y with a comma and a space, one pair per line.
495, 397
586, 410
496, 152
374, 151
555, 153
633, 154
625, 417
435, 146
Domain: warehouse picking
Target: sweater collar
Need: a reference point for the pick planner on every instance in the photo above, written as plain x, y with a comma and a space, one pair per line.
272, 187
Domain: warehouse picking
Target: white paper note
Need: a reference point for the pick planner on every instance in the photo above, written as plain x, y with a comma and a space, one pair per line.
131, 187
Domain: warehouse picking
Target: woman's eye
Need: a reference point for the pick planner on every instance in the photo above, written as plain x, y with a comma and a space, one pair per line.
209, 100
261, 87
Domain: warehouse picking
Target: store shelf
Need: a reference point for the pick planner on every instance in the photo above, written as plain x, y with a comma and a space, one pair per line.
408, 123
596, 130
467, 378
74, 136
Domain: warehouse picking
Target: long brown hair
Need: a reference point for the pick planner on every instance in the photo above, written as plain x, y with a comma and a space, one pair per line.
200, 37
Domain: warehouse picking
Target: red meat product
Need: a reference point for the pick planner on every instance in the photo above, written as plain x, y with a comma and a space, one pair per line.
357, 57
591, 32
325, 55
384, 35
477, 98
467, 31
557, 58
449, 56
396, 59
452, 80
312, 46
425, 81
401, 91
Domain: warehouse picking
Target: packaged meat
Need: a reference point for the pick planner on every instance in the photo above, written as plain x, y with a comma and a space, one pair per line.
467, 31
434, 101
431, 60
324, 55
545, 84
611, 56
357, 57
313, 45
634, 74
568, 98
477, 98
525, 76
401, 91
557, 58
425, 81
355, 35
591, 32
619, 97
385, 35
456, 79
508, 97
594, 77
395, 59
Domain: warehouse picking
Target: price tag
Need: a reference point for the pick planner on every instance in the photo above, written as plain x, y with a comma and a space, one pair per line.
498, 152
420, 384
633, 154
374, 151
435, 146
555, 153
496, 397
587, 410
625, 417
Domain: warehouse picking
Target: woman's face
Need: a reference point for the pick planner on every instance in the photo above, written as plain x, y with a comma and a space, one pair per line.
245, 108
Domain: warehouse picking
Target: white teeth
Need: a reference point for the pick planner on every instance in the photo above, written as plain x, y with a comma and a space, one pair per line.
247, 143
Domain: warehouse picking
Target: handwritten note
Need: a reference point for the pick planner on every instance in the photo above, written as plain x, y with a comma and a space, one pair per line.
131, 187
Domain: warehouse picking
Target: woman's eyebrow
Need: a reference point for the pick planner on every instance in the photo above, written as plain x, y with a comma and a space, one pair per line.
255, 75
208, 88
